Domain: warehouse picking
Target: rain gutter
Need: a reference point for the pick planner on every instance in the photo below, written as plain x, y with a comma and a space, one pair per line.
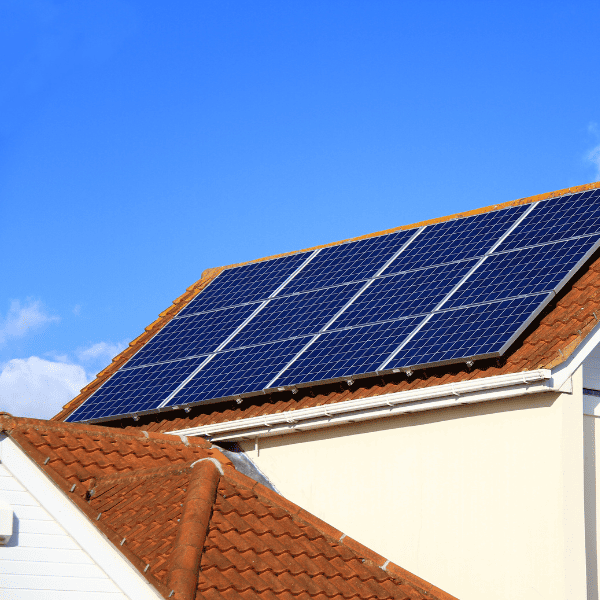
498, 387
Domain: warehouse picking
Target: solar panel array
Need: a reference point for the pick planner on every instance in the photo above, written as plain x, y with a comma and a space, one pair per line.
453, 291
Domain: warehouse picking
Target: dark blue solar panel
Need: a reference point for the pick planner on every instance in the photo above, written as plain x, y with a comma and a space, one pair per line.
458, 239
348, 262
348, 352
135, 390
557, 219
291, 316
466, 332
256, 281
192, 335
239, 372
403, 295
520, 272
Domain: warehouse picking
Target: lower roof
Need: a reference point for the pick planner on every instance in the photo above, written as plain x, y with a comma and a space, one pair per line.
195, 527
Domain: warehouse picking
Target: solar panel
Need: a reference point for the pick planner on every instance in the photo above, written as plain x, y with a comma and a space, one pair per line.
352, 261
248, 283
404, 294
558, 219
347, 352
456, 290
135, 390
297, 315
525, 271
481, 330
458, 239
240, 371
192, 335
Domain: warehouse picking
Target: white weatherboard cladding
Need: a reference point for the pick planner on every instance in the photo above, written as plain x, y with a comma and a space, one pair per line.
42, 558
55, 552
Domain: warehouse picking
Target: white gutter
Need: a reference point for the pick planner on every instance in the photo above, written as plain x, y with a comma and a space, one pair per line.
440, 396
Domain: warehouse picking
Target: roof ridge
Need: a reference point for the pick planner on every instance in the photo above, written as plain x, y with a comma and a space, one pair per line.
184, 560
209, 274
112, 432
335, 535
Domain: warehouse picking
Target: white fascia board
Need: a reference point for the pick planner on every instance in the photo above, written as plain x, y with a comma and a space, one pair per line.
76, 524
441, 396
563, 372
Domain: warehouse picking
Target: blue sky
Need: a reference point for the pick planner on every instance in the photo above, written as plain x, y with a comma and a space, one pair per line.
142, 142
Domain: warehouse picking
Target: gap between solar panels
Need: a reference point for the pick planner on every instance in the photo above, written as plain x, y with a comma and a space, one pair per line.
456, 291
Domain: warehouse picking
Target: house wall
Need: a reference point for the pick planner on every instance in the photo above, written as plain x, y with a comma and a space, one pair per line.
483, 501
42, 561
591, 429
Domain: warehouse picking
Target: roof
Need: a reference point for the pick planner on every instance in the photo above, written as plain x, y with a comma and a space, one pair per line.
549, 341
195, 527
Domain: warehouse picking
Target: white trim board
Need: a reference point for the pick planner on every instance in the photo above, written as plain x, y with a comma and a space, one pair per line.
440, 396
75, 523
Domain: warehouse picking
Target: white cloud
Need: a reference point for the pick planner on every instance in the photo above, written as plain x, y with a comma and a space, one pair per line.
100, 351
34, 387
593, 156
21, 319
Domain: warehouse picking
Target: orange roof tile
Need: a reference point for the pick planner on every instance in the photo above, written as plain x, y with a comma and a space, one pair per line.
197, 528
549, 341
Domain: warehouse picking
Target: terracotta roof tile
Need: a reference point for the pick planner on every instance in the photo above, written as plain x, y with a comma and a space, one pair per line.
152, 498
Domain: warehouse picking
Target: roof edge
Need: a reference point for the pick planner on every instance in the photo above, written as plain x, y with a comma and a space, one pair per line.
469, 213
480, 389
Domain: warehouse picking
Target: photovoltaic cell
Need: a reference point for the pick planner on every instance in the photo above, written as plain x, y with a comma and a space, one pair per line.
292, 316
520, 272
348, 352
239, 371
465, 332
557, 219
248, 283
192, 335
458, 239
135, 390
348, 262
403, 295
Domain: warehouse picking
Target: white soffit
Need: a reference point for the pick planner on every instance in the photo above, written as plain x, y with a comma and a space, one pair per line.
442, 396
76, 524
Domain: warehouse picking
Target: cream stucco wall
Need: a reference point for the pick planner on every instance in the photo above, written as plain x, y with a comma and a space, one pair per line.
484, 501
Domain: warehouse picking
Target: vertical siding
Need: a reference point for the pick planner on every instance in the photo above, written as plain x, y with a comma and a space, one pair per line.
42, 561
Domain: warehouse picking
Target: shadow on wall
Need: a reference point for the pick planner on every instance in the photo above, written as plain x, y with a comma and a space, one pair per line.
14, 538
